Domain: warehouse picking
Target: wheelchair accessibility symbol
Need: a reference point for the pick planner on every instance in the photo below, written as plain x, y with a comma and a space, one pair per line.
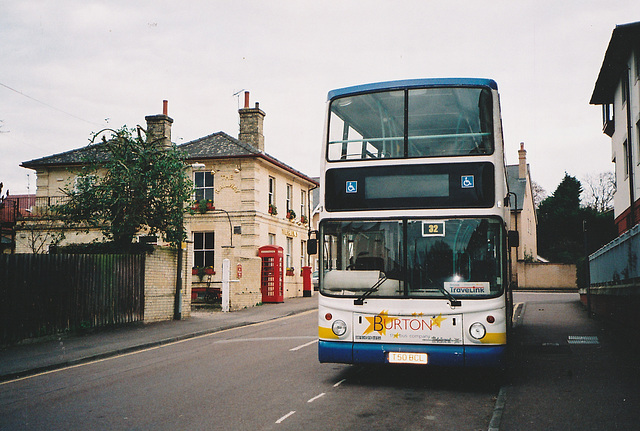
467, 182
352, 187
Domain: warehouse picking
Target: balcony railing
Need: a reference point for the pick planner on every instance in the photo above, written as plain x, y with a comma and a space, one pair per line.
17, 208
618, 262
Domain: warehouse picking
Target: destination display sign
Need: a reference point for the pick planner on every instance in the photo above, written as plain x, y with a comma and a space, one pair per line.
467, 288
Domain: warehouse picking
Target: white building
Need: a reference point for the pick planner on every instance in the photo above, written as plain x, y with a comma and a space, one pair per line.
614, 270
617, 89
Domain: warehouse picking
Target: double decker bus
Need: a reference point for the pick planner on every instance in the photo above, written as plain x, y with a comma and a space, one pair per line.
412, 238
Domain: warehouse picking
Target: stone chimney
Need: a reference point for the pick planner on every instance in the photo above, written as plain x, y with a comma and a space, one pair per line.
159, 127
522, 162
251, 120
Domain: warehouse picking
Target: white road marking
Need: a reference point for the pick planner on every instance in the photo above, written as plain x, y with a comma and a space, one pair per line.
339, 383
262, 339
583, 339
316, 397
303, 346
279, 421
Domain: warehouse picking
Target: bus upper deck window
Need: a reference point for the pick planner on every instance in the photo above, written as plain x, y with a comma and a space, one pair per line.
450, 122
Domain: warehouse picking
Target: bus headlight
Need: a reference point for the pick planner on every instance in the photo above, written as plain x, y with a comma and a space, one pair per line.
477, 330
339, 327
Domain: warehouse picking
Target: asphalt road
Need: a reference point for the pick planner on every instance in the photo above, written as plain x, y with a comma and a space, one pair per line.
262, 377
267, 377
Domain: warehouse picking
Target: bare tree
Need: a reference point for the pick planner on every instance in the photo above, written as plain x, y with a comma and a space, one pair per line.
40, 235
599, 190
539, 194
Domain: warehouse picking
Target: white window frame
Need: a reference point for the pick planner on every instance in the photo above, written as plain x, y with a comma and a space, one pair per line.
289, 252
205, 191
208, 253
303, 201
272, 191
289, 197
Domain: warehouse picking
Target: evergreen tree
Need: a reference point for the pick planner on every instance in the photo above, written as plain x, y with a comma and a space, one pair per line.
560, 223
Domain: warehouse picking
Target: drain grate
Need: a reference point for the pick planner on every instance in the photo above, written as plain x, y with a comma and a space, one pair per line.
583, 339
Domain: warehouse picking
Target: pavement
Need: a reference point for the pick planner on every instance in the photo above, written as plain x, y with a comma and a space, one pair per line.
569, 371
41, 355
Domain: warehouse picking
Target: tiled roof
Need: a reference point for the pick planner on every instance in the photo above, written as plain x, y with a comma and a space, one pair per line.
221, 145
624, 39
516, 185
72, 157
216, 145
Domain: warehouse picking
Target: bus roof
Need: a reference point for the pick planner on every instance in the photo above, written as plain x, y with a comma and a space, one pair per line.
408, 83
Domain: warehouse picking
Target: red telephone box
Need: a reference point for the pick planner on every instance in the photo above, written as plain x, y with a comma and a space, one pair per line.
271, 273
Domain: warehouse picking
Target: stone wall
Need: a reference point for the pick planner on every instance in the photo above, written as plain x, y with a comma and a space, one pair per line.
244, 291
546, 276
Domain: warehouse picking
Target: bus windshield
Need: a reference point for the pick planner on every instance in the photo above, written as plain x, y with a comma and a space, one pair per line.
458, 258
421, 122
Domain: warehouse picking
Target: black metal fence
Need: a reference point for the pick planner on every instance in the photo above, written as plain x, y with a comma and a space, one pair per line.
44, 294
24, 207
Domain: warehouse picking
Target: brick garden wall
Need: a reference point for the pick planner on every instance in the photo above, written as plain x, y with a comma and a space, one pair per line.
160, 284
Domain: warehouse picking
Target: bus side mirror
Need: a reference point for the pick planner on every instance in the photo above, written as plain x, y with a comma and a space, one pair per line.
514, 238
312, 243
312, 246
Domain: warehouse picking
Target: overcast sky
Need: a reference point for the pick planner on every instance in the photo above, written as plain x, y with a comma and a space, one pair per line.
69, 68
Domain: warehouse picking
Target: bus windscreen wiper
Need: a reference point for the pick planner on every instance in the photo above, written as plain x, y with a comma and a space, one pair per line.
360, 299
452, 301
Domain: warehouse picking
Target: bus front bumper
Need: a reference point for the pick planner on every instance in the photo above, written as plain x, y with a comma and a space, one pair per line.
377, 353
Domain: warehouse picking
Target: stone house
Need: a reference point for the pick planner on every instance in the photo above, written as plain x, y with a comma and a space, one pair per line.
523, 211
524, 220
245, 199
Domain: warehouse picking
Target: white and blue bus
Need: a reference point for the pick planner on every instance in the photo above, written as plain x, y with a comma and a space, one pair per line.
414, 218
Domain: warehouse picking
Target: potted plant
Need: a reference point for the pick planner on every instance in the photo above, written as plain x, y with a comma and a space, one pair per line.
304, 219
199, 271
209, 270
291, 214
273, 210
291, 271
204, 205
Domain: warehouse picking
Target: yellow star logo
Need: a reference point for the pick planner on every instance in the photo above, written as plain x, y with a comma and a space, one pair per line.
396, 335
378, 323
437, 320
